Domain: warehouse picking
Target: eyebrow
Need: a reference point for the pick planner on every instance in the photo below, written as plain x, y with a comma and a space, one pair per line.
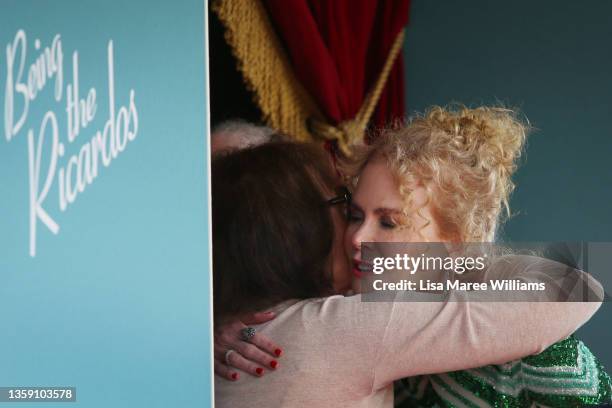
379, 210
386, 211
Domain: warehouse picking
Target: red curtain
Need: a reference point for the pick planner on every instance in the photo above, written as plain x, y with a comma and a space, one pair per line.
338, 48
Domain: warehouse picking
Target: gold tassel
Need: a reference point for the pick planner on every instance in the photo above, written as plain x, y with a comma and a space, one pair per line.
285, 104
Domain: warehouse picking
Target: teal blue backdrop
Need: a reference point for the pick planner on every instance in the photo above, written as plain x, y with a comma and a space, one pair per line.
553, 60
117, 302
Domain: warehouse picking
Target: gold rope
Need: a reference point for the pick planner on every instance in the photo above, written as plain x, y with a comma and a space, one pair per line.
352, 131
285, 104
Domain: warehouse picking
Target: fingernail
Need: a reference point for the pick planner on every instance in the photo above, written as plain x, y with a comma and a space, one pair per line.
259, 371
278, 352
273, 363
234, 376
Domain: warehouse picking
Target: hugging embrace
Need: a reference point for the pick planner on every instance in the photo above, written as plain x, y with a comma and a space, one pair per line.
288, 268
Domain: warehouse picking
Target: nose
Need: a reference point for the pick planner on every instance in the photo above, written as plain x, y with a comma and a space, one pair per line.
360, 234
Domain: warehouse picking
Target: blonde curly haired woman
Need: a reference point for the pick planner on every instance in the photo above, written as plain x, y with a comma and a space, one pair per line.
447, 177
444, 177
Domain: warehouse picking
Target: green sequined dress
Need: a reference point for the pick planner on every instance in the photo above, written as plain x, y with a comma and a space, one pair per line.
566, 374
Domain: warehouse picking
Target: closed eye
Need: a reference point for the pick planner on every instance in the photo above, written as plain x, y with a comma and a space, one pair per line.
387, 223
354, 215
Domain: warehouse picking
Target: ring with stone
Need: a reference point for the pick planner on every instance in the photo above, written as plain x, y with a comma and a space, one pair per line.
247, 333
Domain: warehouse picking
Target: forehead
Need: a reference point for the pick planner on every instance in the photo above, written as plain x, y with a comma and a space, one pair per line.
379, 187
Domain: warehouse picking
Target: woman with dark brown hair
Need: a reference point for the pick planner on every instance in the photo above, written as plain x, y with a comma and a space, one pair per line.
274, 247
277, 232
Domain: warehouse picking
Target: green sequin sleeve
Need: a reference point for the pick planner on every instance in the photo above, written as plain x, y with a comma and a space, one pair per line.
566, 374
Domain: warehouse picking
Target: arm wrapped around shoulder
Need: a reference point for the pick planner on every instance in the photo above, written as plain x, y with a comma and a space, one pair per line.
470, 330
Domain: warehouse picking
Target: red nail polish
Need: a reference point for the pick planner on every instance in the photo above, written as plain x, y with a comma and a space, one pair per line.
278, 352
273, 363
259, 371
234, 376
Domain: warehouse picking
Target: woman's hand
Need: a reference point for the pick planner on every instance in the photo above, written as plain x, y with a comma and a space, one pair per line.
253, 356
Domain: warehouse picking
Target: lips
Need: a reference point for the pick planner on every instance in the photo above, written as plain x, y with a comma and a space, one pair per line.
361, 269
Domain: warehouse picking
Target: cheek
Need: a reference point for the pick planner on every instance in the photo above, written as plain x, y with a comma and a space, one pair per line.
338, 244
339, 228
340, 264
348, 238
339, 224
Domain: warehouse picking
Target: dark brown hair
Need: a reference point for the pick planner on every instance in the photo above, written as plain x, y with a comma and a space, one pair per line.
272, 231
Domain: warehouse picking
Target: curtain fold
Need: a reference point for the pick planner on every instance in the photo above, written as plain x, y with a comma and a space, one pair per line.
337, 50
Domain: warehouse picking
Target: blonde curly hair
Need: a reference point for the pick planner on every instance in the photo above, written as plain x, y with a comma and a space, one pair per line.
465, 159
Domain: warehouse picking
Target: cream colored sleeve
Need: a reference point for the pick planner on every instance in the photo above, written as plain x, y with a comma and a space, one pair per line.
424, 338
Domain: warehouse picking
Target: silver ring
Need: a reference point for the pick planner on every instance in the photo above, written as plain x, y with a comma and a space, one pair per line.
247, 333
227, 354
